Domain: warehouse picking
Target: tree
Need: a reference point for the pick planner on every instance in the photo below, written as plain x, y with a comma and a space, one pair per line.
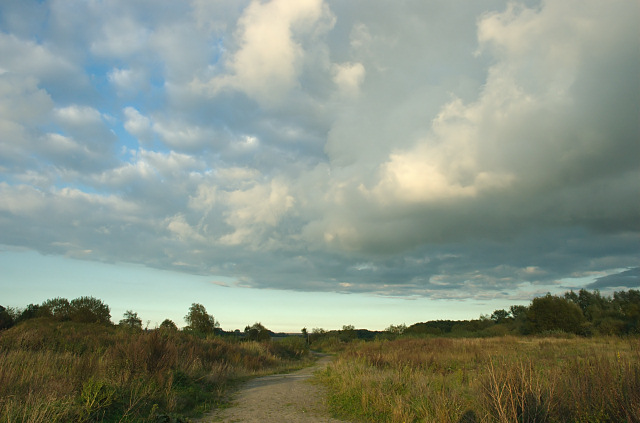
6, 320
168, 325
89, 310
257, 332
518, 312
396, 329
58, 308
316, 333
593, 304
348, 333
30, 312
551, 313
199, 321
500, 316
628, 304
131, 320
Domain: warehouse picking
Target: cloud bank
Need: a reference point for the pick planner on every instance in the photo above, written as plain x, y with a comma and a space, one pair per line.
400, 149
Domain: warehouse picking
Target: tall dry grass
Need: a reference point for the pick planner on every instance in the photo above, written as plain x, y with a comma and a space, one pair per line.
487, 380
61, 372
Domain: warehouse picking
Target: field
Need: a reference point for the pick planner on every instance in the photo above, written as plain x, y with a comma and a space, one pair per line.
66, 371
61, 371
502, 379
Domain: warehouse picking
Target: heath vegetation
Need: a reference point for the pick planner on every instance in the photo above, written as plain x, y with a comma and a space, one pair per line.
500, 379
64, 361
570, 358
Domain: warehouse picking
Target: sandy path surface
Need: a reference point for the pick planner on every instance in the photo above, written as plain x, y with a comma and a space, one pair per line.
279, 398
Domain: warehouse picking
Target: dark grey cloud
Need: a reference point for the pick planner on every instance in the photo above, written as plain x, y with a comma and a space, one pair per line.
628, 279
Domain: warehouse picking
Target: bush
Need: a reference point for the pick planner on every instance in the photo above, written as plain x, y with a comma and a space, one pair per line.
551, 313
291, 347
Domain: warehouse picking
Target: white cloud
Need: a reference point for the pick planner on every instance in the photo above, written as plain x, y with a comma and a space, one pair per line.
75, 115
22, 200
269, 59
138, 125
128, 81
252, 210
25, 57
360, 37
22, 101
180, 228
175, 133
232, 175
61, 145
183, 50
171, 162
414, 178
85, 131
205, 198
517, 133
183, 135
121, 37
348, 77
154, 170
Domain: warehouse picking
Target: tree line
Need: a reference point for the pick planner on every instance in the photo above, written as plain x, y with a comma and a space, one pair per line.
92, 310
582, 313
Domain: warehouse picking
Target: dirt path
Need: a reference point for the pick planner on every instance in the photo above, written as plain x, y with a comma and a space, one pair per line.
278, 398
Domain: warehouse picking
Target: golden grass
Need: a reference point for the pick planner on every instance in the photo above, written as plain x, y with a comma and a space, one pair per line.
487, 380
67, 371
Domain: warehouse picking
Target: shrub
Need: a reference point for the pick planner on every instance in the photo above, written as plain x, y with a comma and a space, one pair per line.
550, 313
291, 347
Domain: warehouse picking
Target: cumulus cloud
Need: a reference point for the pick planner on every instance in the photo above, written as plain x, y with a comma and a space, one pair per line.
25, 57
348, 77
121, 38
405, 149
22, 104
138, 125
128, 81
269, 58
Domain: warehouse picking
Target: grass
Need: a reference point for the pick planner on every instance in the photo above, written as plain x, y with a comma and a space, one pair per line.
504, 379
60, 372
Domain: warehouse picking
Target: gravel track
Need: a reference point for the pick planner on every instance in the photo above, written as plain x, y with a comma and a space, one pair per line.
278, 398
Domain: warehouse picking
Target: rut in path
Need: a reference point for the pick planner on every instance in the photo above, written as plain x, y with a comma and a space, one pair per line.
278, 398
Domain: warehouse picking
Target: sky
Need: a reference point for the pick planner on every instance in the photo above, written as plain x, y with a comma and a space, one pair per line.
318, 163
